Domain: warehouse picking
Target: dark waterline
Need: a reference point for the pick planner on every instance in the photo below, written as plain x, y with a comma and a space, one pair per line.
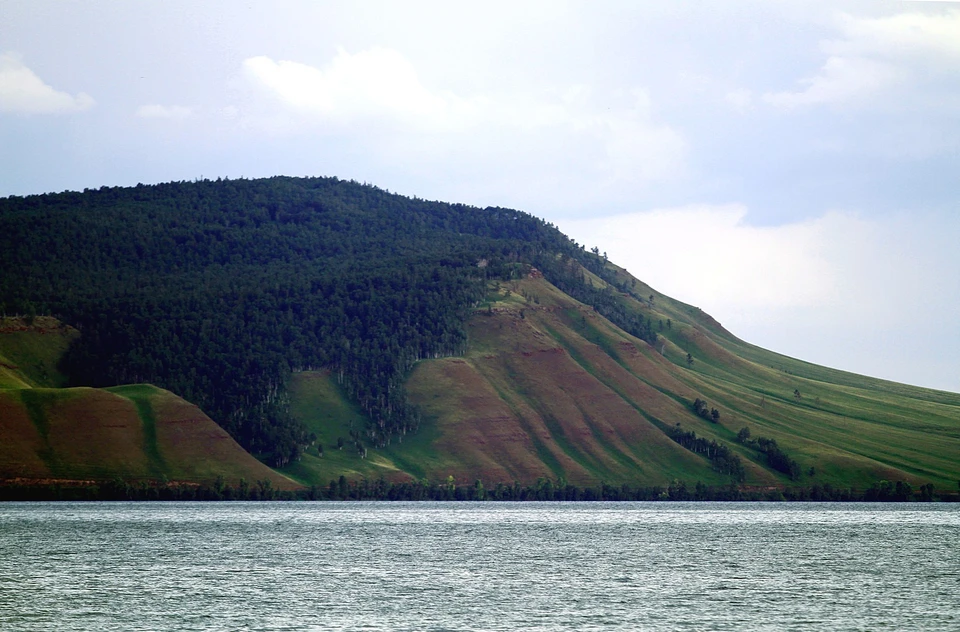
479, 566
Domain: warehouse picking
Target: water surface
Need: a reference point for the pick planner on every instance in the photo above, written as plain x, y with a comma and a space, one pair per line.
479, 566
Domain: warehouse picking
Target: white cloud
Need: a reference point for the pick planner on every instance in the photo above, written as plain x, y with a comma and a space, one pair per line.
709, 254
628, 144
840, 80
376, 97
874, 56
873, 295
933, 36
23, 92
169, 112
376, 82
712, 257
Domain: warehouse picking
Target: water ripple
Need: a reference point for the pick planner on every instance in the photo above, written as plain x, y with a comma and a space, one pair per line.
489, 566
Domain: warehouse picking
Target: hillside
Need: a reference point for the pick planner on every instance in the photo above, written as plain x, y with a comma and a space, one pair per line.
218, 290
30, 352
335, 329
548, 388
75, 436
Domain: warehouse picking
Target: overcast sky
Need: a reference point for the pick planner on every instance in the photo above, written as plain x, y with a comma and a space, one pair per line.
793, 168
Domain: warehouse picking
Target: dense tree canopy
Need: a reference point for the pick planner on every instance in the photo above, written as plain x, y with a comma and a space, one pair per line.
218, 290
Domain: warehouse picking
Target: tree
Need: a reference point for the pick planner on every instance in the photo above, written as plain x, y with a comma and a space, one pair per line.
689, 357
266, 489
219, 290
744, 435
700, 407
904, 491
796, 394
218, 486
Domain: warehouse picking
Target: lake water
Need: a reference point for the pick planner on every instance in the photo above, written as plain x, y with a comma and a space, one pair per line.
479, 566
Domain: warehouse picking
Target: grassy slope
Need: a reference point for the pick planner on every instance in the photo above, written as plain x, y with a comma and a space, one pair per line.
136, 432
852, 429
571, 396
319, 403
550, 389
29, 352
547, 389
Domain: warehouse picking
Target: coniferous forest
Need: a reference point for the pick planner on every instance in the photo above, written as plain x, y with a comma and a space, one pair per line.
218, 291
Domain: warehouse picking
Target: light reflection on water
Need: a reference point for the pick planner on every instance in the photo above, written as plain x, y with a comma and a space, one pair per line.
479, 566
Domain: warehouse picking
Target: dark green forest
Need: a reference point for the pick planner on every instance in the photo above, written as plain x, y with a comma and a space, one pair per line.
218, 290
542, 490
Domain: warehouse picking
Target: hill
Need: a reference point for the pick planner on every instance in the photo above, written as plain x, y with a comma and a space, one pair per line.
30, 351
333, 328
549, 389
218, 290
84, 436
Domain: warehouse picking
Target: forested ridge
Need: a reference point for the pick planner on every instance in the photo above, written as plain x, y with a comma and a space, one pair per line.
218, 290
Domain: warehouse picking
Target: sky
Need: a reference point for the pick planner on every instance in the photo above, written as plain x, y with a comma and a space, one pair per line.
792, 168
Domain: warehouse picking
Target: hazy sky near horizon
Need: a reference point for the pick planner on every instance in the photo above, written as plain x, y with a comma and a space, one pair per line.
790, 167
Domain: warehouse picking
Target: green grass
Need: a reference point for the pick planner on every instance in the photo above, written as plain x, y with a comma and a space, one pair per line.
10, 375
35, 352
36, 402
849, 428
321, 405
697, 469
141, 395
852, 430
513, 398
543, 452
